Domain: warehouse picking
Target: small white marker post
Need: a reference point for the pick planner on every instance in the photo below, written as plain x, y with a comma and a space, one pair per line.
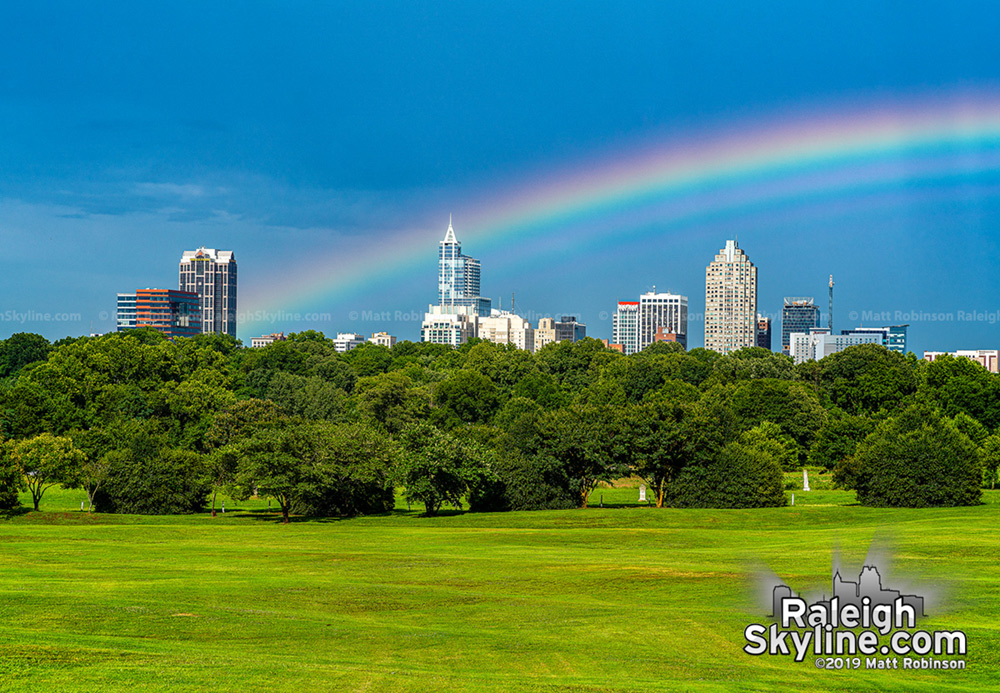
793, 499
805, 479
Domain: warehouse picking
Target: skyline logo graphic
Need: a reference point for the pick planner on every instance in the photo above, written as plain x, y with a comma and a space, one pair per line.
860, 625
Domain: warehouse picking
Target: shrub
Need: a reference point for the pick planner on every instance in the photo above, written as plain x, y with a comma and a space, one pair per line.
519, 482
916, 459
157, 481
745, 474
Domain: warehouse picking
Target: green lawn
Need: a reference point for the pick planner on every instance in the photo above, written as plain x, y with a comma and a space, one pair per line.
622, 598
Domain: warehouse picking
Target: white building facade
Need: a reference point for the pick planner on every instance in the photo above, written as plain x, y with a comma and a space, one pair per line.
345, 341
383, 339
625, 327
662, 313
503, 327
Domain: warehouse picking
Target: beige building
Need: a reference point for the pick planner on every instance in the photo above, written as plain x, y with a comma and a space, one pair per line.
545, 333
730, 301
507, 328
382, 339
264, 340
987, 358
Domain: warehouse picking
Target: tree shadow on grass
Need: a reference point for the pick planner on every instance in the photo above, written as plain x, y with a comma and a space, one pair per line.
14, 512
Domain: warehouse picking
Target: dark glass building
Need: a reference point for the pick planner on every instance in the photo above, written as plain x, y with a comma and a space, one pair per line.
174, 313
799, 314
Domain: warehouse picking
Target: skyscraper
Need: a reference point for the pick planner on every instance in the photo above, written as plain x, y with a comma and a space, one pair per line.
212, 275
458, 276
730, 301
454, 320
666, 313
798, 314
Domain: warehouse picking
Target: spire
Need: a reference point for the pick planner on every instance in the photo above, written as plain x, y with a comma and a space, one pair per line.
449, 236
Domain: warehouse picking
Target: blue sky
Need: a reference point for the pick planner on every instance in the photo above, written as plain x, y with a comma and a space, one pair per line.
291, 130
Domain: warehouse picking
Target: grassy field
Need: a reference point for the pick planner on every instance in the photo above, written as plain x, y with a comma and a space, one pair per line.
620, 598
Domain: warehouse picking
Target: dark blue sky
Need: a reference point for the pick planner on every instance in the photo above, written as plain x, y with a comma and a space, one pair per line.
133, 131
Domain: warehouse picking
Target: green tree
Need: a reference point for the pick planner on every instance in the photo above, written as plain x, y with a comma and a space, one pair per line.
917, 458
588, 441
391, 400
369, 359
754, 363
959, 385
837, 440
47, 461
435, 468
991, 459
11, 478
866, 378
468, 395
20, 349
353, 473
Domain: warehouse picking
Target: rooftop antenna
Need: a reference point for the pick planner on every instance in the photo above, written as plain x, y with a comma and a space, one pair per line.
830, 322
512, 302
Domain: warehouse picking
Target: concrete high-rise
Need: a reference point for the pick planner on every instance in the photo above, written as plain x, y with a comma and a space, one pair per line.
211, 274
730, 301
798, 314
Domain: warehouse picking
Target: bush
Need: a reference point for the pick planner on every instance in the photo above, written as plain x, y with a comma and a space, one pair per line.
519, 482
162, 482
914, 460
746, 474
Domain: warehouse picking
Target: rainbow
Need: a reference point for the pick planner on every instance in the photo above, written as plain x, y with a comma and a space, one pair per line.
673, 183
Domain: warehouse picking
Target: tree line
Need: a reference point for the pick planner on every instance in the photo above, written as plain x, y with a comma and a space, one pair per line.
148, 425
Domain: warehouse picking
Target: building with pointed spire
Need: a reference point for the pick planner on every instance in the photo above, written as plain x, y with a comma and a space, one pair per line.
730, 301
459, 276
454, 320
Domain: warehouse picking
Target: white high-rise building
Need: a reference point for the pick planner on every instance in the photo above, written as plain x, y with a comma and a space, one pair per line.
454, 325
345, 341
625, 327
730, 301
662, 313
212, 275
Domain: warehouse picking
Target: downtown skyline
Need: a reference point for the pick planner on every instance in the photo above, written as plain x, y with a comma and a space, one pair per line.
327, 145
